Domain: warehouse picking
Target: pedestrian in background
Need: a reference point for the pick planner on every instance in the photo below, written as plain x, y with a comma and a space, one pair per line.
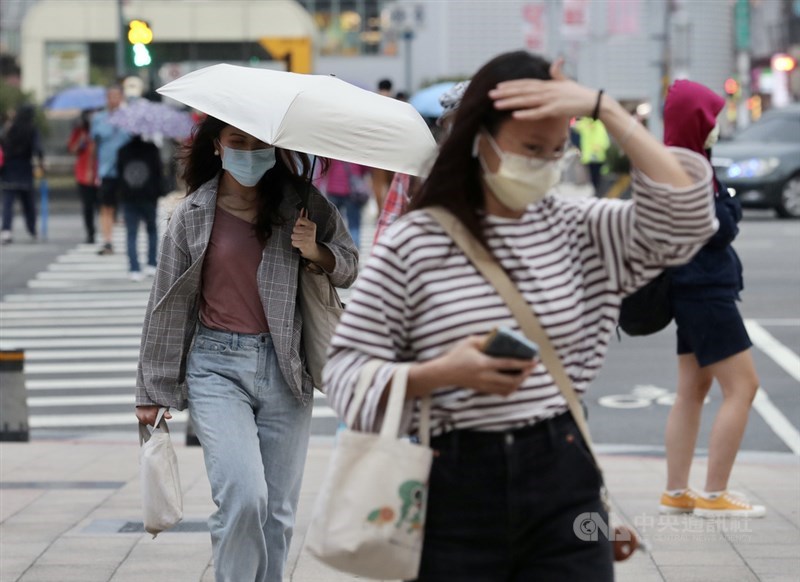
510, 469
385, 87
382, 178
141, 185
21, 145
222, 334
348, 186
398, 197
80, 143
712, 339
108, 141
594, 144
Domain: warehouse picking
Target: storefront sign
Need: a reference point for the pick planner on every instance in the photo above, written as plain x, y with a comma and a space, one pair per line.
534, 15
624, 17
575, 19
67, 65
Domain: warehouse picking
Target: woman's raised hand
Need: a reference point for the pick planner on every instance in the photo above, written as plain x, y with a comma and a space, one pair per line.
533, 99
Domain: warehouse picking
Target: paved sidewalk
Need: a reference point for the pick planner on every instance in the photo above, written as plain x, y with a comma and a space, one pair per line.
69, 511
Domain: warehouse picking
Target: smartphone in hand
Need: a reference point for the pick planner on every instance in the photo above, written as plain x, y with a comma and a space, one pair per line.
506, 343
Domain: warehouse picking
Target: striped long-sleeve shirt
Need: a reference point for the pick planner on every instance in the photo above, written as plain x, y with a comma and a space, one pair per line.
573, 260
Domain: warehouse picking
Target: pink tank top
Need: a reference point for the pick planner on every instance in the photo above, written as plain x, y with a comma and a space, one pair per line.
229, 298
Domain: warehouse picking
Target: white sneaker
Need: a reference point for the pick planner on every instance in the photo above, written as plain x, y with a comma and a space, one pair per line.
150, 271
136, 276
5, 237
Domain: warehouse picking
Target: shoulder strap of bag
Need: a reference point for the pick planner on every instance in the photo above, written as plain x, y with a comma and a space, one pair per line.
494, 273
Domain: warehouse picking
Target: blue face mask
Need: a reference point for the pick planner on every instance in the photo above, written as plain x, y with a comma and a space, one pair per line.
247, 166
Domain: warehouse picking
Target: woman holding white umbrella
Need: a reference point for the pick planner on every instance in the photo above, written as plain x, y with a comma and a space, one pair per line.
222, 333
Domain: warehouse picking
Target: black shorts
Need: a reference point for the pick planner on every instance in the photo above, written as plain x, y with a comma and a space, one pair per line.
108, 192
712, 329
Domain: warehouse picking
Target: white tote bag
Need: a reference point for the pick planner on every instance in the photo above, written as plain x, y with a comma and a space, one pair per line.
320, 308
369, 518
162, 499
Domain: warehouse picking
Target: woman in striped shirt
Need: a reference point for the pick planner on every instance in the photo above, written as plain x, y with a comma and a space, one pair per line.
511, 473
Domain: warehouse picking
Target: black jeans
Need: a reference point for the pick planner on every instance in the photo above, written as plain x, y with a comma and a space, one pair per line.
25, 195
595, 169
135, 212
504, 507
89, 203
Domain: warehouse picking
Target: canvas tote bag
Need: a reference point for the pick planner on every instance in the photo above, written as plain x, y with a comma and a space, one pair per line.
369, 517
162, 499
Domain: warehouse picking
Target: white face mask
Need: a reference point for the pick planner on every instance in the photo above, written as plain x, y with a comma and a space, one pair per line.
519, 180
713, 138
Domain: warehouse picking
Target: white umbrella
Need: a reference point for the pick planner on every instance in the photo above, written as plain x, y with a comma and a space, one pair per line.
313, 114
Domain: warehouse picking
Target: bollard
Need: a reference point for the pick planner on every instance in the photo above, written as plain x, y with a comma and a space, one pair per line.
13, 398
45, 207
191, 438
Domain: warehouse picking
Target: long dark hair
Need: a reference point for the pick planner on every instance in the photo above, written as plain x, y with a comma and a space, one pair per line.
201, 165
19, 138
85, 121
454, 181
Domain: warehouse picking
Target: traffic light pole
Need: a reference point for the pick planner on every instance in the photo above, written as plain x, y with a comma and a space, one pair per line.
408, 37
120, 45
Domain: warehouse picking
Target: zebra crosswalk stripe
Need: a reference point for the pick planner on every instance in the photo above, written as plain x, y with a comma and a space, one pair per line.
79, 324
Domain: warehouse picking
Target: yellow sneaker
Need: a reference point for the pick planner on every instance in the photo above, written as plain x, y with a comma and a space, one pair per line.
728, 504
680, 503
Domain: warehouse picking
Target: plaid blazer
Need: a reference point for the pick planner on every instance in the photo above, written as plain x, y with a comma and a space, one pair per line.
172, 311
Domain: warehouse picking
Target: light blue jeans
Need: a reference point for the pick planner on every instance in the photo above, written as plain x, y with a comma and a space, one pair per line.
254, 435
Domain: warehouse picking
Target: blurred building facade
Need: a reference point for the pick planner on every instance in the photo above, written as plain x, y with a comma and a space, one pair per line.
65, 43
632, 48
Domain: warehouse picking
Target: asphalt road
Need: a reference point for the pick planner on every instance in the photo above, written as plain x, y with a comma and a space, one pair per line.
624, 403
629, 402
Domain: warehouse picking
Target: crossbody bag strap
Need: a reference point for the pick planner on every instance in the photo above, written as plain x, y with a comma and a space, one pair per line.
492, 271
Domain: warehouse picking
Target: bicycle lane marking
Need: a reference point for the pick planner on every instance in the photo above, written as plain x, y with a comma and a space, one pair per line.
790, 362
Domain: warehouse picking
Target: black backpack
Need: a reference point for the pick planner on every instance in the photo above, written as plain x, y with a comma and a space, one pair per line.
648, 309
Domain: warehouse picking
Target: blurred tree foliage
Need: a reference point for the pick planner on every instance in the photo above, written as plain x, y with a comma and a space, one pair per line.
102, 76
12, 97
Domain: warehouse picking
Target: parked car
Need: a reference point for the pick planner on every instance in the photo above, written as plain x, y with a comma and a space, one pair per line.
762, 162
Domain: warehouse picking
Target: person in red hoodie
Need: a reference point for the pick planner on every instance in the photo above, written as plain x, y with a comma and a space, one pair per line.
80, 143
712, 339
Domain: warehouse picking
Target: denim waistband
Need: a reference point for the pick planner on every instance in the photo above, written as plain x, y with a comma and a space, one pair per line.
547, 430
235, 339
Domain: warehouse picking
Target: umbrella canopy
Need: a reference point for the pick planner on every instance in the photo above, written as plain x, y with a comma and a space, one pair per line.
426, 100
145, 117
92, 97
313, 114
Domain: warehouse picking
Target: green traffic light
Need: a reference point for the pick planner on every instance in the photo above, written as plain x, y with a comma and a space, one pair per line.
141, 55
